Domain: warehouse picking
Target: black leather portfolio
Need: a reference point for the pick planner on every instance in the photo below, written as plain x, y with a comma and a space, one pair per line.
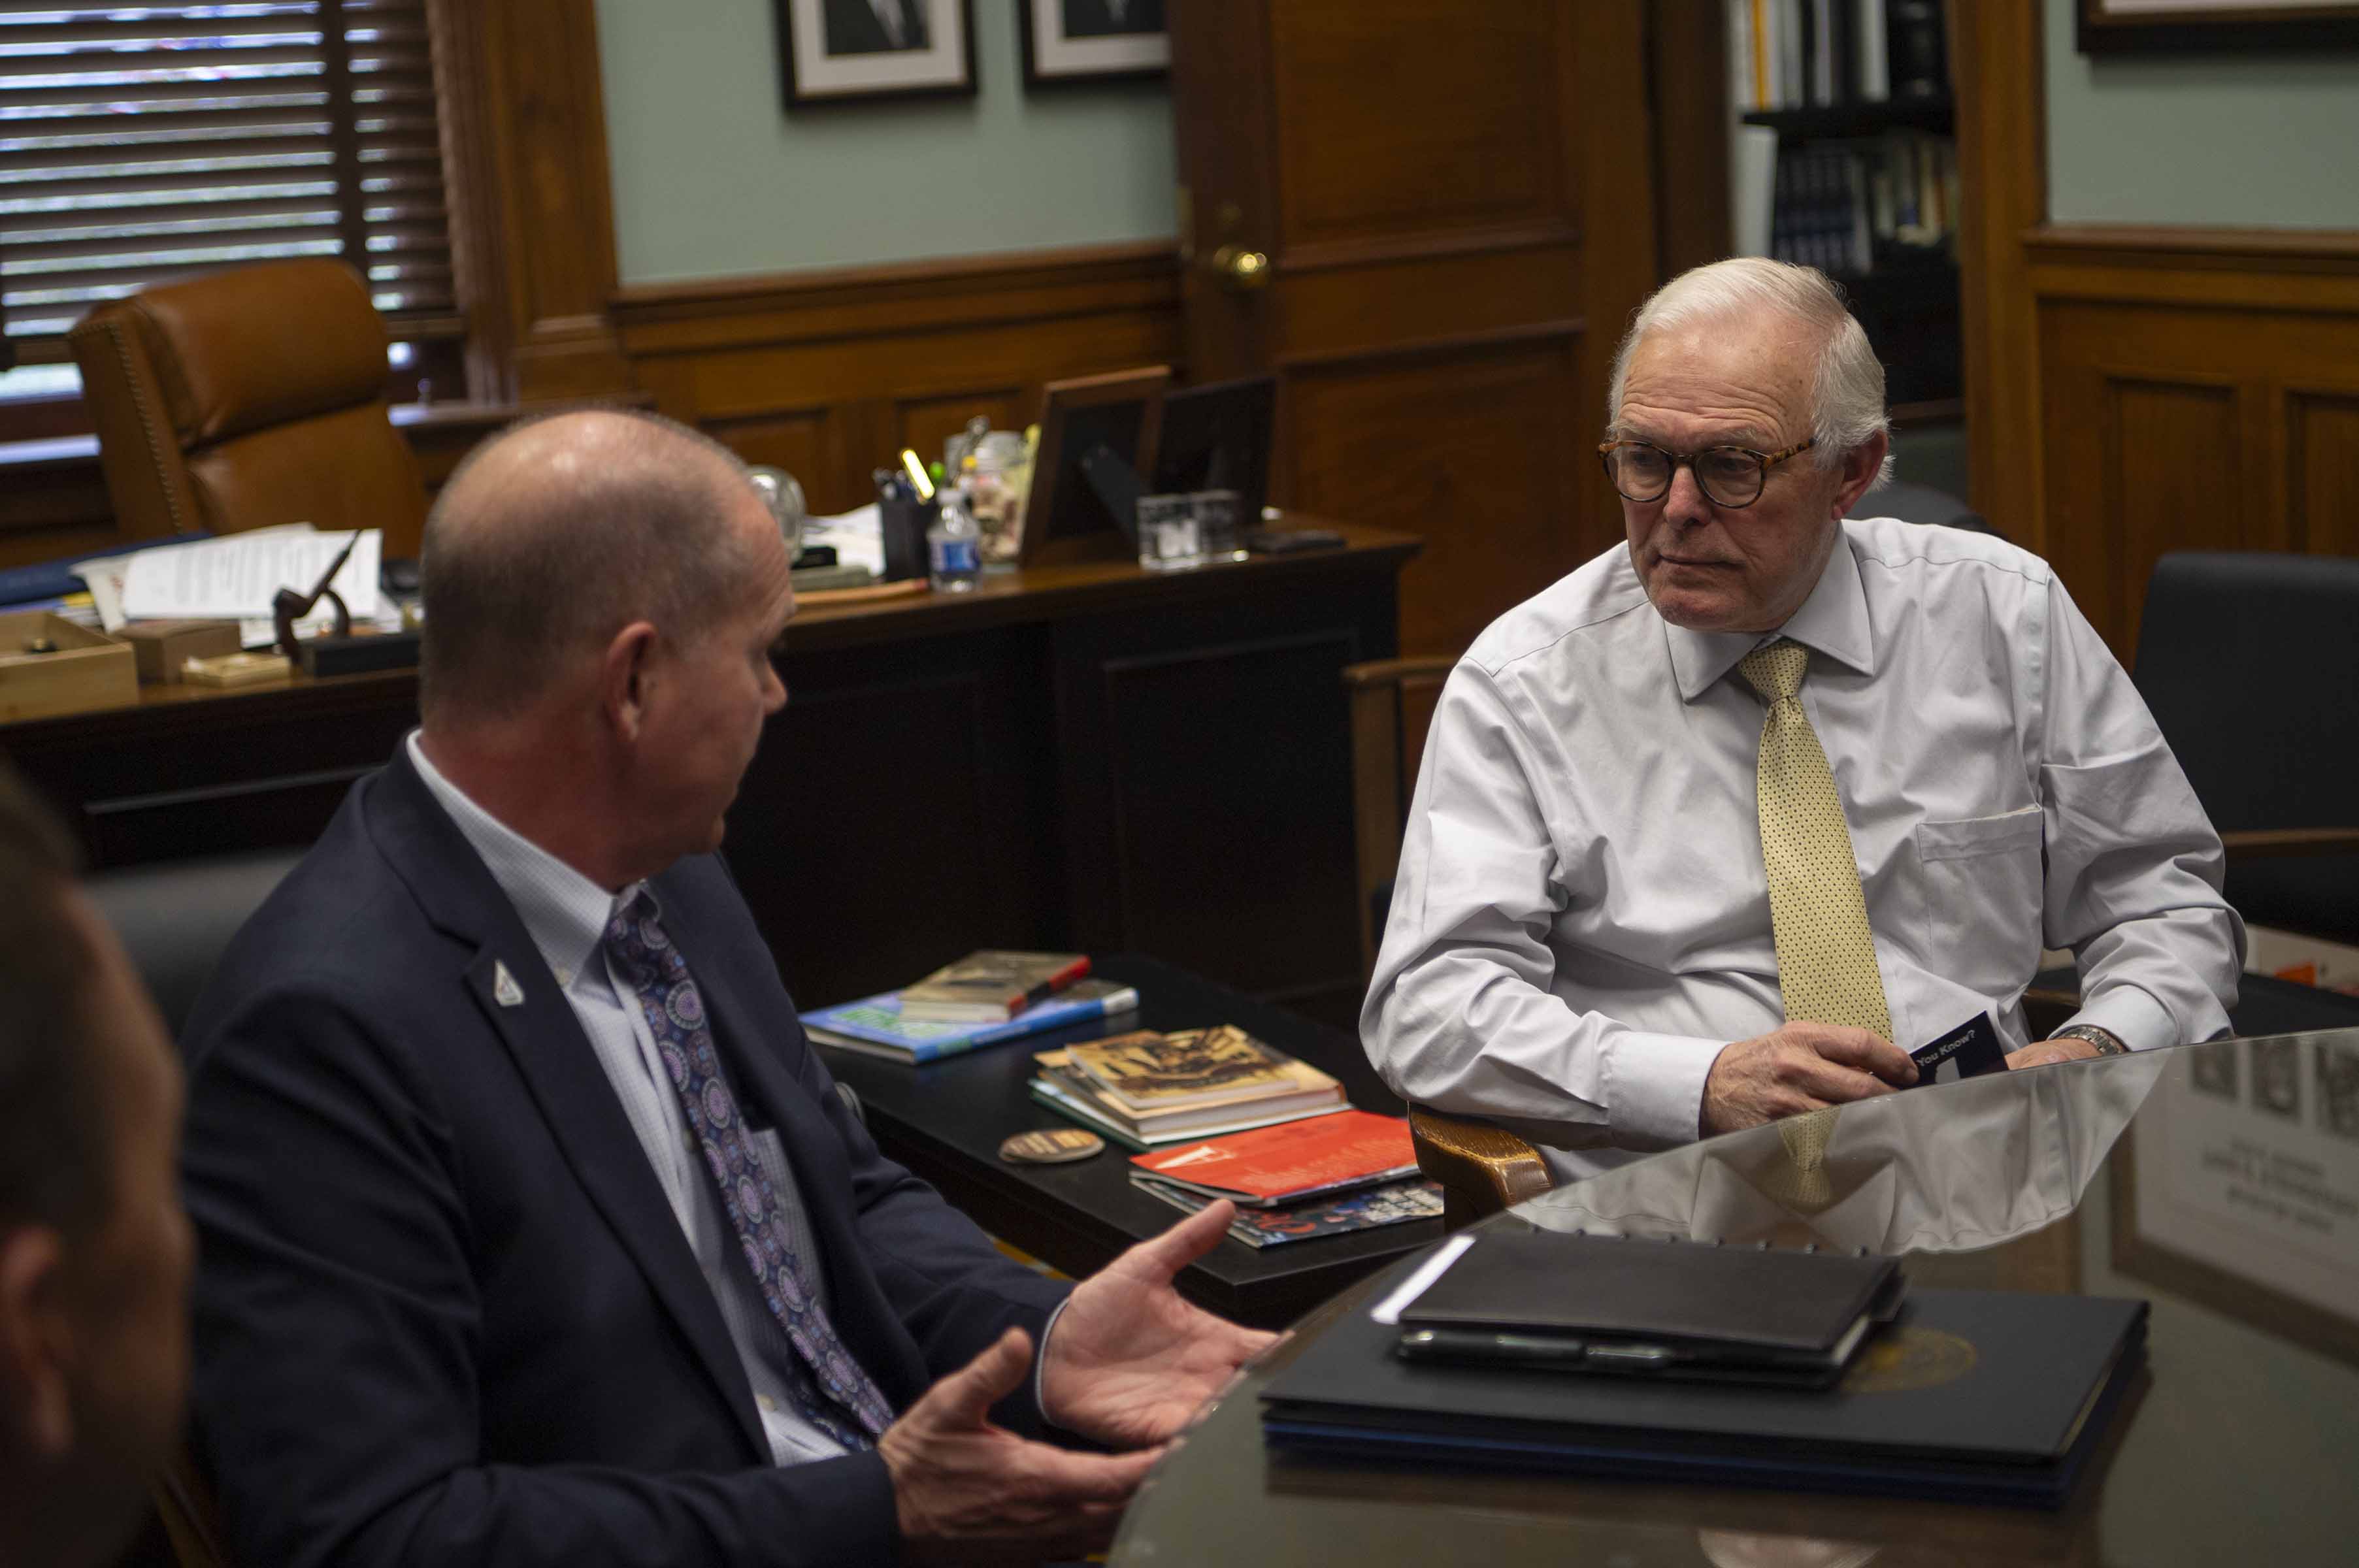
1968, 1395
1673, 1307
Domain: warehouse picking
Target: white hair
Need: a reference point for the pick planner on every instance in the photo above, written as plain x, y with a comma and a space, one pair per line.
1847, 388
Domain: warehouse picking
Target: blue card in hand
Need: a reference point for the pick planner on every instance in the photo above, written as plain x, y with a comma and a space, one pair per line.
1968, 1050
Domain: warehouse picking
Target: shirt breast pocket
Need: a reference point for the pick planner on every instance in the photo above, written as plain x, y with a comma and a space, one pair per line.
1980, 895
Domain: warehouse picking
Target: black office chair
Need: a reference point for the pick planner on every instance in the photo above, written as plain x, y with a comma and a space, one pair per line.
176, 918
2246, 660
1921, 504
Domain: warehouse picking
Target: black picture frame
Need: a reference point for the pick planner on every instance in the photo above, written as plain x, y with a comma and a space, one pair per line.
1056, 55
811, 76
2245, 26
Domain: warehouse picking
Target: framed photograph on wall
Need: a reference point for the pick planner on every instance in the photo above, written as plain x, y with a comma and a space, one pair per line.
839, 51
2177, 26
1072, 41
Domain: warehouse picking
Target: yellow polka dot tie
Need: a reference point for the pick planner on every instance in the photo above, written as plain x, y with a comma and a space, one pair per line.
1826, 954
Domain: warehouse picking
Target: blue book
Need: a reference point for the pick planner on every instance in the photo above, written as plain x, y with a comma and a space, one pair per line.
875, 1024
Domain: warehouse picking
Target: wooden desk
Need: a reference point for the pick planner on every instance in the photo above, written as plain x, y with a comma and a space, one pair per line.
945, 1121
1085, 757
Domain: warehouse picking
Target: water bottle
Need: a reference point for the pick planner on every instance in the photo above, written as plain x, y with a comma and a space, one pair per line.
954, 547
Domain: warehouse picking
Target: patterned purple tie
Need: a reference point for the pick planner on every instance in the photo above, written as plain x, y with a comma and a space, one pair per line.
832, 1391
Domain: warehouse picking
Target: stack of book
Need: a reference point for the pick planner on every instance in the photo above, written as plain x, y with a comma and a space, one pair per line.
1144, 1089
1321, 1177
981, 999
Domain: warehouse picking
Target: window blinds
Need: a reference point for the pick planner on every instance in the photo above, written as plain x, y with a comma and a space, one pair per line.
140, 144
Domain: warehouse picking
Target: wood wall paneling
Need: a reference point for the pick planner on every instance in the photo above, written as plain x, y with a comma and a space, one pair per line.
830, 374
1464, 445
525, 146
1996, 53
2132, 389
1450, 197
2322, 469
1379, 142
2177, 425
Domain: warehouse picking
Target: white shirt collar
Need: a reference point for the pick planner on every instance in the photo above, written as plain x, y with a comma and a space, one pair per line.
563, 911
1833, 620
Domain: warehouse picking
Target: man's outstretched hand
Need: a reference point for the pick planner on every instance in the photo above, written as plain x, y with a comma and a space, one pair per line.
1130, 1361
967, 1491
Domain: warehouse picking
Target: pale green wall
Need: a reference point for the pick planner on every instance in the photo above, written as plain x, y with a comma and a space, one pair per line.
712, 178
2254, 141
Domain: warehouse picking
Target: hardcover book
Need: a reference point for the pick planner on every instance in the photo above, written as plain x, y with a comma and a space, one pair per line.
1060, 1092
992, 986
1148, 1071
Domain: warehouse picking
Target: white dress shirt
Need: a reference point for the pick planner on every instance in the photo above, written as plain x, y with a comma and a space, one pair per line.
1581, 922
565, 914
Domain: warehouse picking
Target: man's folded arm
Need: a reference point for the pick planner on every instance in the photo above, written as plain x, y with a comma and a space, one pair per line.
1461, 1016
338, 1330
2134, 866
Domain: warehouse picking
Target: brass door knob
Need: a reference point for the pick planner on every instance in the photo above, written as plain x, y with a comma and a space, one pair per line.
1240, 269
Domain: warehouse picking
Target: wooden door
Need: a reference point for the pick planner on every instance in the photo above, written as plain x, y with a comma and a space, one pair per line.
1430, 220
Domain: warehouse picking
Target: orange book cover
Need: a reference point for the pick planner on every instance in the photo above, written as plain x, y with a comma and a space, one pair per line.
1291, 1161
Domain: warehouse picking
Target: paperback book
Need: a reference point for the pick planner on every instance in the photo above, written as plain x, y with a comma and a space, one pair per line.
1064, 1089
1291, 1164
1365, 1208
877, 1026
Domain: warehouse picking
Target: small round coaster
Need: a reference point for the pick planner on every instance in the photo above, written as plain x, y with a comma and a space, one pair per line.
1050, 1146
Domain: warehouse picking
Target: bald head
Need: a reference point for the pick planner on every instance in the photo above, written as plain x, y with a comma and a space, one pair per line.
559, 532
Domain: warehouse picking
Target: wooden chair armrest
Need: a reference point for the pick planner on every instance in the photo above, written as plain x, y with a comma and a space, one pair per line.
2267, 843
2048, 1009
1481, 1169
1392, 672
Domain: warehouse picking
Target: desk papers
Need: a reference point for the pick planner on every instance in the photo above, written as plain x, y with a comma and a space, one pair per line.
234, 577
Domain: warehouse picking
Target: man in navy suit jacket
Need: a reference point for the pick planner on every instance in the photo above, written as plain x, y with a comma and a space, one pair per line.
533, 1229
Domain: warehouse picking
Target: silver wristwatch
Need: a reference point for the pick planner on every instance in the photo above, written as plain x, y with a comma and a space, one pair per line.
2107, 1042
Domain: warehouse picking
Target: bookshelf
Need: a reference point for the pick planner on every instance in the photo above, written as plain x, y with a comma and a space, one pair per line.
1843, 158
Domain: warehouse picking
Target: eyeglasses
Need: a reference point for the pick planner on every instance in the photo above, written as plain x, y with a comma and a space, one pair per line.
1729, 476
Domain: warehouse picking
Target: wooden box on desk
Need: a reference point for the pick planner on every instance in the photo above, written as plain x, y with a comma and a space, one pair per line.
161, 647
89, 670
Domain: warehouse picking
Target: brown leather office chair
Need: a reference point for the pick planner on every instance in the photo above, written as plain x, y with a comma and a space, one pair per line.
247, 398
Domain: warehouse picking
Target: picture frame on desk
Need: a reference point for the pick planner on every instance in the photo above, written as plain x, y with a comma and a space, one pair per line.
841, 51
1076, 42
2172, 27
1122, 412
2217, 1192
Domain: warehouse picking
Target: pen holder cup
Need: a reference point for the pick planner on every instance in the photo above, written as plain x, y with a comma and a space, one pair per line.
904, 525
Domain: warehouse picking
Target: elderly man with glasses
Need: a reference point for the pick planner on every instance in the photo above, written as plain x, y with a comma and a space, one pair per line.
1722, 826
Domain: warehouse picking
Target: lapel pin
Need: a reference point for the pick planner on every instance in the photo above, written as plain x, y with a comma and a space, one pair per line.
505, 989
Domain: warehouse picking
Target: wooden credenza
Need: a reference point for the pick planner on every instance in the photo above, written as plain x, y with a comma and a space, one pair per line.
1084, 757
